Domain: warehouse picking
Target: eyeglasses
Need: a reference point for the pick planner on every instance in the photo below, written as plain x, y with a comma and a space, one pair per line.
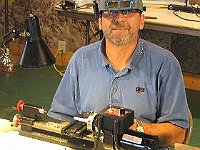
113, 13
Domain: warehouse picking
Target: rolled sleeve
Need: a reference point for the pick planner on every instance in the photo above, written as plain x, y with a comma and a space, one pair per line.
173, 101
63, 106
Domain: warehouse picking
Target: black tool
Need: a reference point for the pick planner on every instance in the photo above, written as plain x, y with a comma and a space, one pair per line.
187, 9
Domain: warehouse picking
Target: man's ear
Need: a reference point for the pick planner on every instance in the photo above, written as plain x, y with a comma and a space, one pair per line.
142, 21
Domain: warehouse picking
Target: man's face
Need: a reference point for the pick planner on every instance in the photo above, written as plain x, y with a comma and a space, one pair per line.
121, 27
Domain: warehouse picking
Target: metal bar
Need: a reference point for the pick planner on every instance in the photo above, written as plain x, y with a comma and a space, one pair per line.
87, 32
6, 23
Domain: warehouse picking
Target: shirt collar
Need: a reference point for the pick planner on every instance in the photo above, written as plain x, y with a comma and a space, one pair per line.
105, 61
136, 57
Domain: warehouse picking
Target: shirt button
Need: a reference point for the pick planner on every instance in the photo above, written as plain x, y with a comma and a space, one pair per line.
114, 90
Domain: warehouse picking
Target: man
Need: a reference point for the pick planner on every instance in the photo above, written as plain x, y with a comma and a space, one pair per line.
124, 70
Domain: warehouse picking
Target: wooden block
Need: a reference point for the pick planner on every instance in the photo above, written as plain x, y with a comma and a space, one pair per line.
62, 59
16, 48
192, 81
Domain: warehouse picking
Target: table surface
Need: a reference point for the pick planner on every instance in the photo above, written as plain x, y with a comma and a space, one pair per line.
10, 134
157, 18
11, 139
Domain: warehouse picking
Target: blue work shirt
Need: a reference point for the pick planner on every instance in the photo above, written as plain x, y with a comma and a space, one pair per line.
151, 85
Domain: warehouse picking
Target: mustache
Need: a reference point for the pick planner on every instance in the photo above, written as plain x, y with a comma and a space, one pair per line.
117, 25
119, 28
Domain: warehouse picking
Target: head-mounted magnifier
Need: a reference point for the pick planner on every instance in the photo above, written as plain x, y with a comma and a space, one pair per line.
117, 5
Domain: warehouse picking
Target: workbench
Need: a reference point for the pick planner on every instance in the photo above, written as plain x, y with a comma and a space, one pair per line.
157, 17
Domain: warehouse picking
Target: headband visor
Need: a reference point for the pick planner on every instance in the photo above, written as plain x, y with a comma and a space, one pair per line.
117, 5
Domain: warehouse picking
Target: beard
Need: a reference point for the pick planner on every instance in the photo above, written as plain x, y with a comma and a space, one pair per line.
119, 39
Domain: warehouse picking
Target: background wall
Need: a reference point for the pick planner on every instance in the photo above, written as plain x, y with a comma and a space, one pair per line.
56, 28
53, 27
186, 48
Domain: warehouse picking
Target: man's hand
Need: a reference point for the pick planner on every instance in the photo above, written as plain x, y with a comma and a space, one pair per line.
168, 133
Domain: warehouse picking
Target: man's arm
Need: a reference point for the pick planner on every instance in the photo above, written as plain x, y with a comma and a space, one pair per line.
168, 133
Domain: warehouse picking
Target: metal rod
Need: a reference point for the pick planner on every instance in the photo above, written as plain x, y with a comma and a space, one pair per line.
6, 23
87, 32
186, 2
